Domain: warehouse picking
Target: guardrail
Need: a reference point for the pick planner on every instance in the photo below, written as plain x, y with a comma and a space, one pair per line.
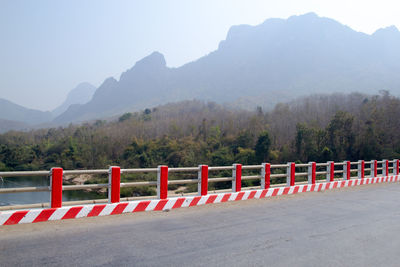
114, 184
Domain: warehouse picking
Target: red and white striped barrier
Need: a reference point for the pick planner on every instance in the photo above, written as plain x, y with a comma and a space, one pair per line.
72, 212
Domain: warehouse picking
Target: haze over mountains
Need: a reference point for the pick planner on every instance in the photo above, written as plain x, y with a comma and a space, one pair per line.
257, 65
10, 111
16, 117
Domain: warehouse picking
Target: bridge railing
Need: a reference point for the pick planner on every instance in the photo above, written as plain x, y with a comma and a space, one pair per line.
310, 173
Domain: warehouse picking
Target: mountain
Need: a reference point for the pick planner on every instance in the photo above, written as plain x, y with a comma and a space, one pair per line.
79, 95
258, 65
16, 114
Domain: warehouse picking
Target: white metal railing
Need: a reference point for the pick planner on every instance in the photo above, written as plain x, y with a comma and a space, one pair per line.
288, 171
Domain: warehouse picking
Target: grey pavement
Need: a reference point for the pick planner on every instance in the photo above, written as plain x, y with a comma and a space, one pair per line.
357, 226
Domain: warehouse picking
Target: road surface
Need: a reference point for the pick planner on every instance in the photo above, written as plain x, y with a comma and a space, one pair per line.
357, 226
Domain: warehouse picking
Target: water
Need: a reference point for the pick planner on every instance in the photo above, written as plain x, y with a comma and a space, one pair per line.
37, 197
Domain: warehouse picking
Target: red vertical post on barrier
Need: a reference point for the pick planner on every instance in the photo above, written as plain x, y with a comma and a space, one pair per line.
237, 178
361, 168
312, 168
396, 167
291, 174
162, 182
114, 183
265, 176
374, 168
346, 170
386, 167
330, 171
203, 180
56, 180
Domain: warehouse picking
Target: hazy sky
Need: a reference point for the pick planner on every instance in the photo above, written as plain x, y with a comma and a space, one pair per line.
48, 47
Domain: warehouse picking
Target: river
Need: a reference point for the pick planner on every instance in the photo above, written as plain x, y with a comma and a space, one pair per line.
37, 197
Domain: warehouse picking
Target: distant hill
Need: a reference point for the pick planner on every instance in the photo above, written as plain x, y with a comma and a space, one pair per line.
16, 117
79, 95
258, 65
10, 111
7, 125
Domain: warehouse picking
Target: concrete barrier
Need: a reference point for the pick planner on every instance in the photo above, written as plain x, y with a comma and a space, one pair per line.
72, 212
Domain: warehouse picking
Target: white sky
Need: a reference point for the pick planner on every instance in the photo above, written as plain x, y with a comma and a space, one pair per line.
48, 47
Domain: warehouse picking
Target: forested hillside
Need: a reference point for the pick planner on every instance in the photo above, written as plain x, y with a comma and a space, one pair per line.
316, 128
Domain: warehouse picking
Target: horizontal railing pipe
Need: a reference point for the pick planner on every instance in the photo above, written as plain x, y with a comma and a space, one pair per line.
132, 184
181, 169
184, 181
278, 175
220, 168
275, 166
251, 167
83, 187
24, 189
138, 170
251, 177
220, 179
77, 172
301, 165
339, 163
24, 173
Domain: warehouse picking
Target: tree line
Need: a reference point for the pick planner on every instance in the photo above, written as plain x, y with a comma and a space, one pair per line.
315, 128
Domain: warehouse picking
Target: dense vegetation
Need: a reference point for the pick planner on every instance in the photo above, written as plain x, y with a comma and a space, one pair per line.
316, 128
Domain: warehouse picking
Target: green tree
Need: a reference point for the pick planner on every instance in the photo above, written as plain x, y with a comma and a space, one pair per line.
262, 147
125, 116
340, 135
369, 147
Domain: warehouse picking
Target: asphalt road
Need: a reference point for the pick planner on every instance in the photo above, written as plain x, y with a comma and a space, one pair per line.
357, 226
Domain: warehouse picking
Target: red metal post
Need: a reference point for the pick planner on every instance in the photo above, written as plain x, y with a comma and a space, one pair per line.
312, 168
162, 182
386, 167
290, 174
347, 170
237, 178
361, 167
114, 181
265, 176
203, 180
396, 167
374, 168
330, 171
56, 180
